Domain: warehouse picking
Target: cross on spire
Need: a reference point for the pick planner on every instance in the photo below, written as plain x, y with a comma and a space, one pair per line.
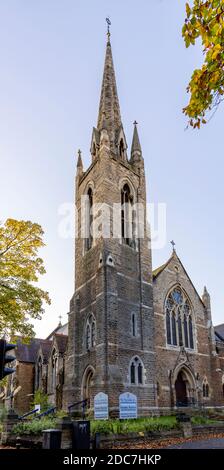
173, 244
108, 27
60, 318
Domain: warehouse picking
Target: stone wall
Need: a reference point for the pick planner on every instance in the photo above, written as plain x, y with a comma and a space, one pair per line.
25, 376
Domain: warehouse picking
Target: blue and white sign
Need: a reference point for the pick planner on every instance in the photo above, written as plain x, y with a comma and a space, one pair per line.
127, 406
101, 406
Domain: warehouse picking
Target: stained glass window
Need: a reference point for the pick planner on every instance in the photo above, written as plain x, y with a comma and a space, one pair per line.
179, 324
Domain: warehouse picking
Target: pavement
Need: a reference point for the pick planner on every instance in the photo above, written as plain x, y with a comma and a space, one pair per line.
204, 444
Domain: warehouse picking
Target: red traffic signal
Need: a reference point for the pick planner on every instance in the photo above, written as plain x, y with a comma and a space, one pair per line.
6, 359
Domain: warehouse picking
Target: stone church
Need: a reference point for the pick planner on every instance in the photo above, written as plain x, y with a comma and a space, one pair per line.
129, 328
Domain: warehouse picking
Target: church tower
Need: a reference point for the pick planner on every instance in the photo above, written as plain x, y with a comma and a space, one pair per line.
111, 323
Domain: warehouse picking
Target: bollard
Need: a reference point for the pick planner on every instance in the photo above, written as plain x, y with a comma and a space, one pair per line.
96, 441
81, 435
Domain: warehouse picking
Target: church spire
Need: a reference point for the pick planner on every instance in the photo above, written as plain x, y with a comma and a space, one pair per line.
79, 169
136, 150
136, 146
109, 109
79, 161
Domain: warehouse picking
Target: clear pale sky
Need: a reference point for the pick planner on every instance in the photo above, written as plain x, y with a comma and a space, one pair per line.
51, 56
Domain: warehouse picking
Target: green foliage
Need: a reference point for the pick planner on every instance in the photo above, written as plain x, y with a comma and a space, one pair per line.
20, 267
139, 425
61, 414
40, 398
3, 412
200, 420
205, 20
34, 426
111, 426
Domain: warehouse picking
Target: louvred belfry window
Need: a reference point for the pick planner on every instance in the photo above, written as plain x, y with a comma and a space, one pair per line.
127, 216
89, 219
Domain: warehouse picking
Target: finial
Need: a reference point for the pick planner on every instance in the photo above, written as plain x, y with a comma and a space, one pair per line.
79, 161
60, 318
135, 123
173, 245
205, 291
108, 27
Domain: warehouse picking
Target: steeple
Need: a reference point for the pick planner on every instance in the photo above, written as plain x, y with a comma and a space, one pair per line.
79, 170
136, 150
79, 161
206, 300
109, 109
136, 146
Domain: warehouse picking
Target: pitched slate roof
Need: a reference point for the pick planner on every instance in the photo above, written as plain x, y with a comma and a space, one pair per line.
61, 342
219, 332
158, 270
60, 329
46, 348
27, 352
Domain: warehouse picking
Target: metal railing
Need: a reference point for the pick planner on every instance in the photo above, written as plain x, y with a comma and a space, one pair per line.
46, 413
29, 413
84, 404
37, 416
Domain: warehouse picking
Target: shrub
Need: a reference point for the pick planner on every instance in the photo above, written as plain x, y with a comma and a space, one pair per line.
40, 398
34, 426
3, 412
134, 425
197, 420
60, 414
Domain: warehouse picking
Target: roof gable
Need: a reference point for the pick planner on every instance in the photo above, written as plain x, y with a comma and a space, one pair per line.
174, 257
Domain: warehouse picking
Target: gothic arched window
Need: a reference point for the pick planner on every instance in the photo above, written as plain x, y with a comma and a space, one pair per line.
136, 371
186, 332
174, 329
205, 389
191, 333
132, 373
121, 149
54, 367
168, 329
39, 372
93, 334
89, 219
127, 216
179, 324
90, 333
133, 325
180, 336
140, 368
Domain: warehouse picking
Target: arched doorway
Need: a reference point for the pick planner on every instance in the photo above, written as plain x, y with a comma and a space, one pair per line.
87, 384
181, 390
184, 385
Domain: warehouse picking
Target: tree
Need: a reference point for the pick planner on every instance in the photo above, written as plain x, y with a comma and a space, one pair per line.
20, 266
205, 20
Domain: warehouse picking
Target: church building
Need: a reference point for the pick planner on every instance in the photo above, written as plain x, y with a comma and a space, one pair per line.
130, 329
